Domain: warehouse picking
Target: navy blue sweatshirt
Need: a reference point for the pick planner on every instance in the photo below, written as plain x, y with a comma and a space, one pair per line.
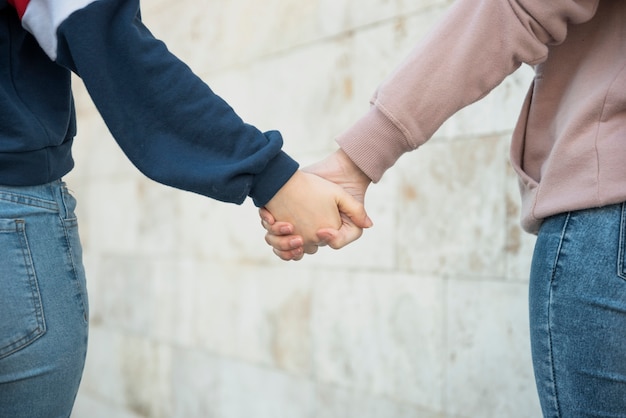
168, 122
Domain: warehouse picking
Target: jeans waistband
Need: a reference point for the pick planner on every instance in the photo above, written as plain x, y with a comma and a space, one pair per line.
47, 196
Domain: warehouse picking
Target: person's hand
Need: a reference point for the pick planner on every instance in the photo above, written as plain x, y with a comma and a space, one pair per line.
306, 204
339, 169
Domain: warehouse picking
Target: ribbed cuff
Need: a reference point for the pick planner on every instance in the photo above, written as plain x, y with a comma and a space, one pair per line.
267, 183
374, 143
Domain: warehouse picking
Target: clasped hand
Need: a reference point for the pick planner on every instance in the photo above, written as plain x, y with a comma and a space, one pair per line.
320, 205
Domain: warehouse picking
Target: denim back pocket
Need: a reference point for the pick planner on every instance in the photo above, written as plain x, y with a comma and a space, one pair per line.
21, 312
621, 256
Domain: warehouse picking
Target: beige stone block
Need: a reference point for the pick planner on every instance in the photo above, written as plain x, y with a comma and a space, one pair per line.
489, 369
92, 407
119, 290
222, 232
373, 11
159, 224
519, 244
334, 402
208, 386
143, 296
146, 367
254, 314
167, 303
109, 215
221, 34
318, 90
82, 101
97, 156
128, 216
452, 213
305, 95
381, 334
129, 372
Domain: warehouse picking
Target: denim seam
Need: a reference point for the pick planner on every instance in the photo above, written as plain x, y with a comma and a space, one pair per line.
622, 233
552, 278
70, 254
74, 272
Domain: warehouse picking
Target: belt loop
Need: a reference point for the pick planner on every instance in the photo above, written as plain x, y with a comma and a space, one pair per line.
59, 196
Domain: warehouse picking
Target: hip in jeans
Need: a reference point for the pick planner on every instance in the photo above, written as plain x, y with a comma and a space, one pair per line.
43, 302
578, 313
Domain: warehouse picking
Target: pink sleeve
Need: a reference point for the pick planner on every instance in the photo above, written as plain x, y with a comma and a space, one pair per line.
476, 45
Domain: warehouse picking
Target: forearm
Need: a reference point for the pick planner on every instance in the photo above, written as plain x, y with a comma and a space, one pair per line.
470, 52
168, 122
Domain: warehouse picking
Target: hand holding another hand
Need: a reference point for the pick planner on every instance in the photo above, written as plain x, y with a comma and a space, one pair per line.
320, 205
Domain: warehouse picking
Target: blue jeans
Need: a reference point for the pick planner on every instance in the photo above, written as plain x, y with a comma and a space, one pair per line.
578, 313
43, 302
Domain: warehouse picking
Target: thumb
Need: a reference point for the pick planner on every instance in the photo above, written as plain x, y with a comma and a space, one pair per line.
354, 210
339, 238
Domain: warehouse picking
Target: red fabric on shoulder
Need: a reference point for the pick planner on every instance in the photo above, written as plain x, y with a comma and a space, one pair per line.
20, 6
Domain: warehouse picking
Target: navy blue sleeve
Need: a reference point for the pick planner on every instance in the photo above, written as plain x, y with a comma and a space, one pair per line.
168, 122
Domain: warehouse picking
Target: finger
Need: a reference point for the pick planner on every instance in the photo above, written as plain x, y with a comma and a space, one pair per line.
354, 210
310, 249
327, 235
284, 243
278, 228
266, 215
291, 255
339, 238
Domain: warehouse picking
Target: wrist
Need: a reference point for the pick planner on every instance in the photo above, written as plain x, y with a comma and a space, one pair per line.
352, 170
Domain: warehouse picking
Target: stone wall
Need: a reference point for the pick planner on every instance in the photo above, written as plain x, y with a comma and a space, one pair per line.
193, 316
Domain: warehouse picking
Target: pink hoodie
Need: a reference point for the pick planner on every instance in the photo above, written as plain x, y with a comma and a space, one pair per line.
569, 146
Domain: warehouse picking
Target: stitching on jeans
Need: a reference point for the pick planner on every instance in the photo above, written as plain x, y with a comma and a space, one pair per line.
620, 252
28, 200
70, 252
552, 277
